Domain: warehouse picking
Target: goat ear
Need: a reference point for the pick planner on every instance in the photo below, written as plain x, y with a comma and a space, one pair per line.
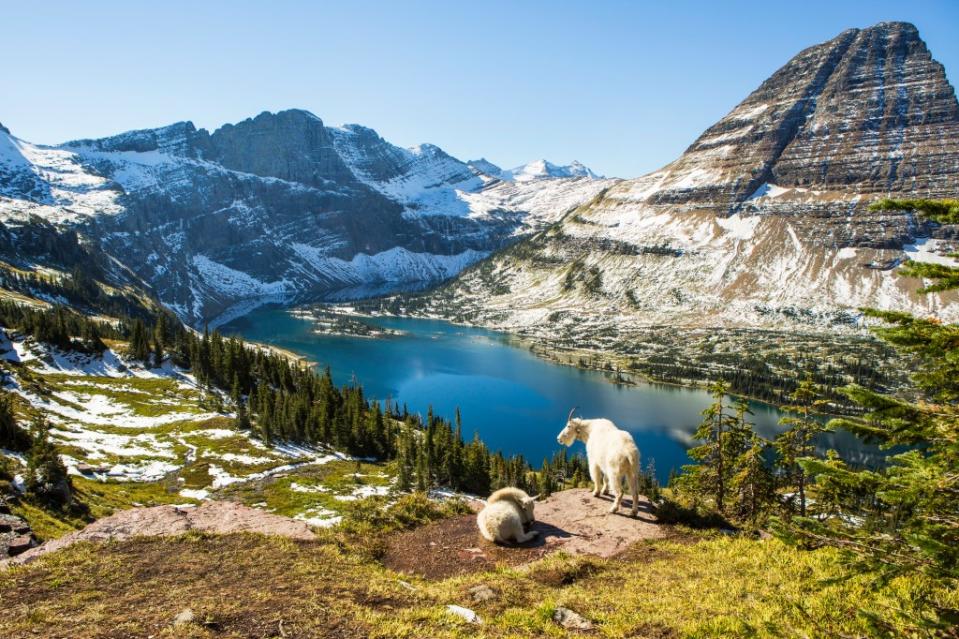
534, 498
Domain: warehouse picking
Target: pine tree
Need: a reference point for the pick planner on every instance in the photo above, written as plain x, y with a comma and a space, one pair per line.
752, 480
46, 477
798, 440
139, 343
404, 479
242, 416
711, 476
12, 437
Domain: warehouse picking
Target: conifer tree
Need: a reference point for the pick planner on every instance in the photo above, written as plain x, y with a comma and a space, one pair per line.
139, 343
12, 437
711, 476
46, 477
798, 440
242, 416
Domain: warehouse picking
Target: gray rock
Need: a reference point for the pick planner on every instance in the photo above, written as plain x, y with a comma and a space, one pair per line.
220, 517
571, 620
20, 544
465, 613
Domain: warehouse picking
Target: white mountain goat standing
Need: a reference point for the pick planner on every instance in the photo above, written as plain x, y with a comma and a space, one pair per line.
610, 452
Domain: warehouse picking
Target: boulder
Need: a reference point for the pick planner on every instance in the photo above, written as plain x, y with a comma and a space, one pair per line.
482, 593
465, 613
184, 618
579, 523
20, 544
571, 620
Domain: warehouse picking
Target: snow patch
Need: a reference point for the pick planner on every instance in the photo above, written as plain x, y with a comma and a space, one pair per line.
739, 226
931, 251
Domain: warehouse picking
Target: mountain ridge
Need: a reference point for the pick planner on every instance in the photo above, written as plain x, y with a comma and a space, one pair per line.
277, 205
763, 223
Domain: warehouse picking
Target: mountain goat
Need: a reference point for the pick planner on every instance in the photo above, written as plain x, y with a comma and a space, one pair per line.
610, 452
505, 515
518, 497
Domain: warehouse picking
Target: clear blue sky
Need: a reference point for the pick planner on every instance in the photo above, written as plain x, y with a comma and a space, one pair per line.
621, 86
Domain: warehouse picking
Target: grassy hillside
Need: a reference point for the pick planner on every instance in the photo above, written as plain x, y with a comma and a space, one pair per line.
140, 437
691, 585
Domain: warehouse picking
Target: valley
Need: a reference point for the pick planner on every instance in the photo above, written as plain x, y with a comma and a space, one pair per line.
265, 374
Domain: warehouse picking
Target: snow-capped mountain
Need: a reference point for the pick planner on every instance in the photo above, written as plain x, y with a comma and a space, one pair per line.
763, 221
277, 205
544, 170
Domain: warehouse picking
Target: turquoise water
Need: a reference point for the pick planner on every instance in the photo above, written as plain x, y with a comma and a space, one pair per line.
517, 402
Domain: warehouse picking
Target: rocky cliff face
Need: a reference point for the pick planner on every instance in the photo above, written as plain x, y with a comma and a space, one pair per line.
275, 206
764, 220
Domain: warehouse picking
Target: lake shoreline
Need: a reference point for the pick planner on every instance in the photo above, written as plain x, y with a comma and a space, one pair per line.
505, 386
568, 357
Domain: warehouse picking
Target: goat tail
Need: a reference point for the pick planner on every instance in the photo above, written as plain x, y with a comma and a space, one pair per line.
635, 465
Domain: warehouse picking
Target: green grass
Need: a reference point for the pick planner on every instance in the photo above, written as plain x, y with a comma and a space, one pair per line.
101, 499
245, 585
336, 478
147, 397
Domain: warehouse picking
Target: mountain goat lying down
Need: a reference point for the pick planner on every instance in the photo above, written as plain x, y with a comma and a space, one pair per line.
611, 454
508, 512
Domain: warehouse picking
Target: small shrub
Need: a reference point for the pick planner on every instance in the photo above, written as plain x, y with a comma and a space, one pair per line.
670, 511
376, 514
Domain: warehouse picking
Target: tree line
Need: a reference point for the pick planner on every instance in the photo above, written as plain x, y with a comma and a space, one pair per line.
278, 399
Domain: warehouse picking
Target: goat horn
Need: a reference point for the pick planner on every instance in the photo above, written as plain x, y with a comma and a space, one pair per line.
570, 416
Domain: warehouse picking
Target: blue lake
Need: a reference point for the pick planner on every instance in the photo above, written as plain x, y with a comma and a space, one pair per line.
516, 401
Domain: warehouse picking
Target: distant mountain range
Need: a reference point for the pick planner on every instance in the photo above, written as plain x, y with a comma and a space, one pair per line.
762, 222
279, 205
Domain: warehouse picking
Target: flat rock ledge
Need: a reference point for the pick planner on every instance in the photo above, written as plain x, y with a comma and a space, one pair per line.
572, 520
220, 517
580, 524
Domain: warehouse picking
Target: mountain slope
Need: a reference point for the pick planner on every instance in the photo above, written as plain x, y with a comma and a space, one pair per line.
275, 206
763, 222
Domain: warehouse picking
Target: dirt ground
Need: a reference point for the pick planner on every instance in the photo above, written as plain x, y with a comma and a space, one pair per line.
573, 521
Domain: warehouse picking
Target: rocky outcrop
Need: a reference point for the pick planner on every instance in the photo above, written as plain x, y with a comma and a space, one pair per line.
869, 111
764, 221
221, 517
571, 521
291, 145
16, 537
